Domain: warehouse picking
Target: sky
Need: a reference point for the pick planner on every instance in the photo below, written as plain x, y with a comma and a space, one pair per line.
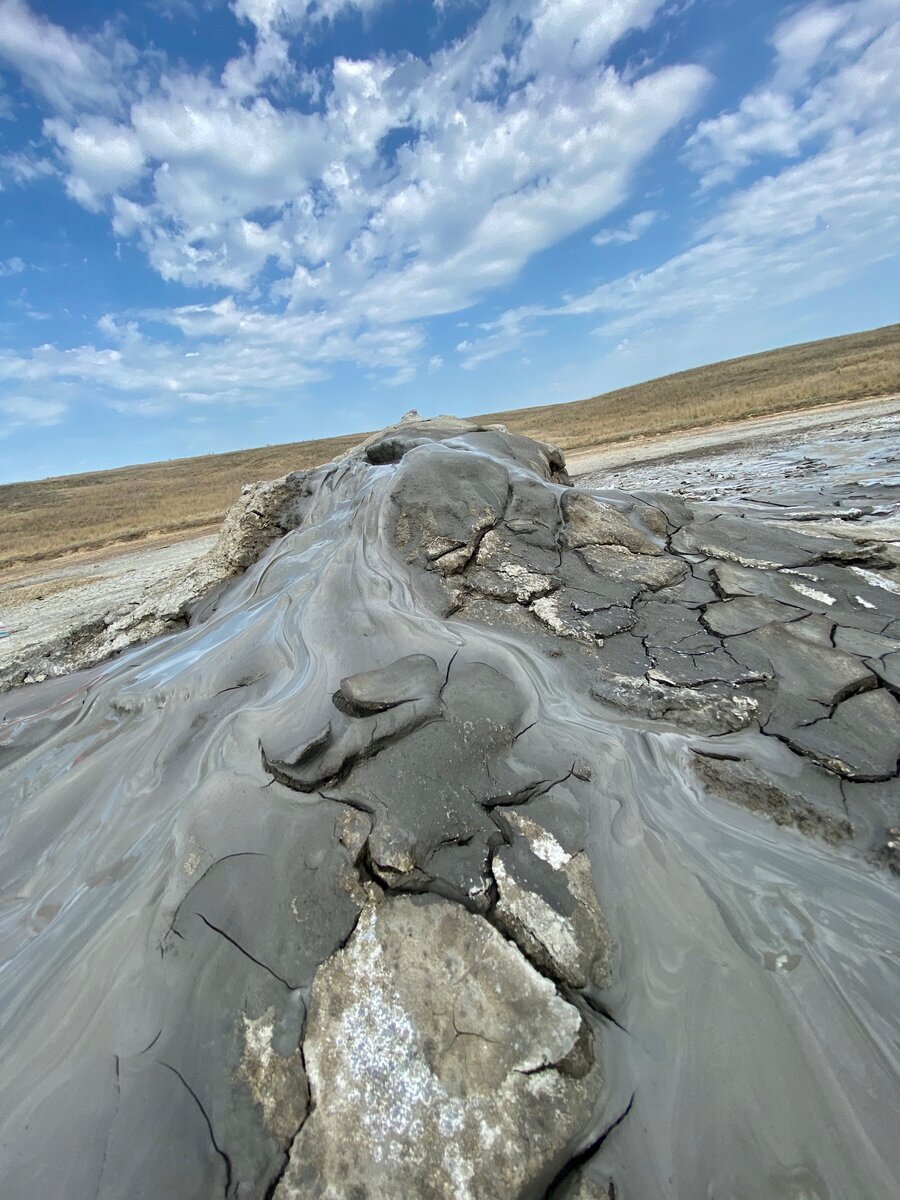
233, 223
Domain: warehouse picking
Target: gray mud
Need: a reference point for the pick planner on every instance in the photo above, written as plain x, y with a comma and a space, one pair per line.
484, 837
48, 606
839, 451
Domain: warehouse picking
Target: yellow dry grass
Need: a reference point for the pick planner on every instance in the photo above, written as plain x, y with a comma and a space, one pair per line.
45, 519
837, 370
51, 517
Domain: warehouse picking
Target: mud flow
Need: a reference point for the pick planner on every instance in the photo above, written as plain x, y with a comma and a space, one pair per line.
462, 832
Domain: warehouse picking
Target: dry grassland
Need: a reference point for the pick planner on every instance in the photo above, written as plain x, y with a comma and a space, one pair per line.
50, 517
827, 372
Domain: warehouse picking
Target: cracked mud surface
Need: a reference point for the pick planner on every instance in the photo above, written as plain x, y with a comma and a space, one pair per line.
825, 448
487, 836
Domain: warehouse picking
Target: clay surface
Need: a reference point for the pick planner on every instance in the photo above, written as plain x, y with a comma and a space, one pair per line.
468, 834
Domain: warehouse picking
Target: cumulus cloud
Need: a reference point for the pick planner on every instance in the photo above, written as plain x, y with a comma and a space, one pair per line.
835, 67
11, 266
423, 183
340, 211
815, 223
101, 157
67, 71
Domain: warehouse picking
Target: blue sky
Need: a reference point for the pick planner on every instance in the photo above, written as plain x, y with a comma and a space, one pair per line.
226, 224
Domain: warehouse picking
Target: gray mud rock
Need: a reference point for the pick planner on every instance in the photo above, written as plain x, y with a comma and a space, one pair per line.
428, 764
743, 782
412, 431
373, 710
441, 1064
859, 740
698, 709
745, 614
547, 904
822, 675
755, 544
698, 615
264, 512
593, 522
446, 502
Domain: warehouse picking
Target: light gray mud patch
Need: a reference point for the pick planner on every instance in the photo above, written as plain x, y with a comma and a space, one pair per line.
169, 598
204, 839
547, 904
432, 1039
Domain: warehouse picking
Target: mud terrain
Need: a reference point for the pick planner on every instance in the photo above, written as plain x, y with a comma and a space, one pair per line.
468, 834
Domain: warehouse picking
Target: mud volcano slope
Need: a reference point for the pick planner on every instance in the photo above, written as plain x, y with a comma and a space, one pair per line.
485, 838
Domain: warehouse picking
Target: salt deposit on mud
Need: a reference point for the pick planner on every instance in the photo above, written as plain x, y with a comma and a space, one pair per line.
472, 835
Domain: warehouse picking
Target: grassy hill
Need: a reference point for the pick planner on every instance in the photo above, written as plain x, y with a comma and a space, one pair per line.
835, 370
53, 516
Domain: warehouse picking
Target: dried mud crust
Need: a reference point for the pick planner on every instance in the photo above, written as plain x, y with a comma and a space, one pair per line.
457, 1027
821, 448
340, 931
753, 624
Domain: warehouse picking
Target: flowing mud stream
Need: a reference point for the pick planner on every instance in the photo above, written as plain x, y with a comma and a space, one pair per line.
485, 838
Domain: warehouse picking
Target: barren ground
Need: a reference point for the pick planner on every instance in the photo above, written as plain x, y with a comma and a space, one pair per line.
479, 836
43, 604
782, 454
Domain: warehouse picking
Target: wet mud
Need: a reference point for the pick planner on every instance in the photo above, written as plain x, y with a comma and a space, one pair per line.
484, 836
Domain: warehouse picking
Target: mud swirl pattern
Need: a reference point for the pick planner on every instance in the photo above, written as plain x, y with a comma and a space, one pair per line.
467, 834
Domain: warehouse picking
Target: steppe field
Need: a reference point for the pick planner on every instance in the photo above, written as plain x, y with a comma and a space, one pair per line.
42, 520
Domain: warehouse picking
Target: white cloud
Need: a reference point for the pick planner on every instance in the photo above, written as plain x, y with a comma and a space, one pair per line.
220, 354
268, 61
11, 266
66, 70
802, 40
835, 67
24, 167
341, 207
500, 337
576, 34
633, 228
217, 159
101, 157
811, 227
266, 15
815, 224
346, 207
35, 314
18, 411
511, 139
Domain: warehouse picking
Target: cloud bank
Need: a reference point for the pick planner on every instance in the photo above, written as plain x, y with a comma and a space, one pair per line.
324, 214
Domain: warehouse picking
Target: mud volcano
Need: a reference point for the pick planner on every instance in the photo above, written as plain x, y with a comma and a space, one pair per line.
471, 835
